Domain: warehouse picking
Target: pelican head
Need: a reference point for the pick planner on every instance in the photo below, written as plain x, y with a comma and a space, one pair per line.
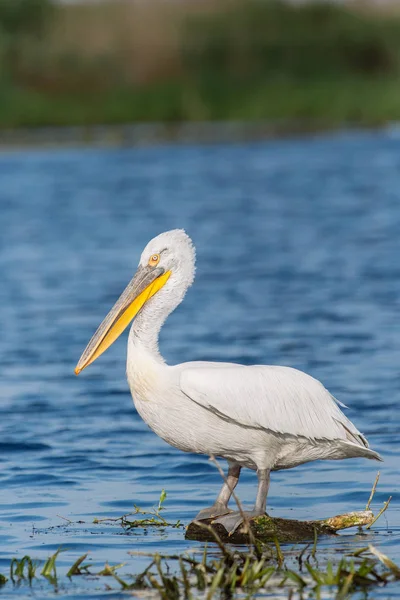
167, 263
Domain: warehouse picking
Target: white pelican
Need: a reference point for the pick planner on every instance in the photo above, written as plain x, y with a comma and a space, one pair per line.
265, 418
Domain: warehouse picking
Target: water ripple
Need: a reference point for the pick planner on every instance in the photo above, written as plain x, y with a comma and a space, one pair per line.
298, 245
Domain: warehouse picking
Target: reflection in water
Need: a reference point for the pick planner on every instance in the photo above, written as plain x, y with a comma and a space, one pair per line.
298, 251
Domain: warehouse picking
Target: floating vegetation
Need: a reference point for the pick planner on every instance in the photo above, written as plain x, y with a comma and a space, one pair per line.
221, 569
267, 529
152, 518
271, 529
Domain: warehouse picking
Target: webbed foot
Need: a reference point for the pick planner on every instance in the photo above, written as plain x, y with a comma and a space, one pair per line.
233, 521
216, 510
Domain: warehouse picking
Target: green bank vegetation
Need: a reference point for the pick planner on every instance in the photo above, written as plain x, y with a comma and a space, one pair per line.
120, 61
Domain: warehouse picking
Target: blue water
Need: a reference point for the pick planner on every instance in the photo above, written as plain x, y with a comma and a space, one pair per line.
298, 246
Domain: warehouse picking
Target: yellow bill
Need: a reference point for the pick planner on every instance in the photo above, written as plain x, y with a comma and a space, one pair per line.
146, 282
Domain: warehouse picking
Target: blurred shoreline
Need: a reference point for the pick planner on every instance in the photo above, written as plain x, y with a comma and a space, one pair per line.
132, 72
154, 134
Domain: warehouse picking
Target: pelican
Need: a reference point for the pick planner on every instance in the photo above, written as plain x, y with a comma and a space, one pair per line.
265, 418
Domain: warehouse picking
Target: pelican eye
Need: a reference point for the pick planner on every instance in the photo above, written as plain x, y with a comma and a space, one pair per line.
154, 260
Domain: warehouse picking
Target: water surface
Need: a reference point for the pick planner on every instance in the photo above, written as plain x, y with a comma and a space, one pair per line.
298, 264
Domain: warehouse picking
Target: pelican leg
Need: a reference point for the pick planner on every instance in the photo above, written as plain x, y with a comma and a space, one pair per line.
220, 506
233, 520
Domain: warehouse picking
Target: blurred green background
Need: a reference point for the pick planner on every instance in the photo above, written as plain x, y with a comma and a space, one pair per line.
157, 60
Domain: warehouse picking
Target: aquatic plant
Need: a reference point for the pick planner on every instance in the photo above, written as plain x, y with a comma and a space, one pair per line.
25, 568
235, 571
227, 570
152, 518
250, 572
49, 570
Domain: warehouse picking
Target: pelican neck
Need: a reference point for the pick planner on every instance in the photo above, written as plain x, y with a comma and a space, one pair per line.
143, 339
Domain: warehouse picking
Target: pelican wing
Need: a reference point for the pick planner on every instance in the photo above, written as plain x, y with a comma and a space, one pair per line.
279, 399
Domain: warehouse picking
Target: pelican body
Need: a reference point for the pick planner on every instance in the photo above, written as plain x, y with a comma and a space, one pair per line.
265, 418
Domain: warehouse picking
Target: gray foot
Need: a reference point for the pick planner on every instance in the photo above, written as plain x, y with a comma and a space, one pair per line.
232, 521
216, 510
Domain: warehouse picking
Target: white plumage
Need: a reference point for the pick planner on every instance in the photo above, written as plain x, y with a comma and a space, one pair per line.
271, 398
262, 417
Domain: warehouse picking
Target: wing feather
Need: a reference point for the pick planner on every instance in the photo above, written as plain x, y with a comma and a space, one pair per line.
278, 399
